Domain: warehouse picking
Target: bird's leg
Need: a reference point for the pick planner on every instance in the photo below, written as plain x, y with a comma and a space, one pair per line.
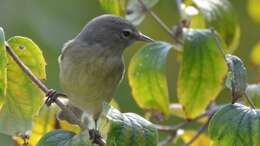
94, 133
52, 95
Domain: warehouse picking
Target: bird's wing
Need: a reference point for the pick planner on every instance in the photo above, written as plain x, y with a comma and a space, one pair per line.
65, 47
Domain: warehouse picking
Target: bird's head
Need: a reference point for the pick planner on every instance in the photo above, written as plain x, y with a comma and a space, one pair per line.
112, 32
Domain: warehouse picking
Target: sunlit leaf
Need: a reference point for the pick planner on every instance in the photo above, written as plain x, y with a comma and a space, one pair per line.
253, 90
253, 10
43, 123
177, 110
202, 71
3, 65
255, 54
235, 125
135, 12
237, 78
128, 129
116, 7
23, 98
147, 77
6, 140
202, 140
65, 138
220, 15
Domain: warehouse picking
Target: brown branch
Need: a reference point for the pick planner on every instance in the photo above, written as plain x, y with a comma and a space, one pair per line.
46, 90
200, 131
160, 22
170, 129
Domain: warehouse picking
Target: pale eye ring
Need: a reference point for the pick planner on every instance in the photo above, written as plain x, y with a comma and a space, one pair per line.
126, 33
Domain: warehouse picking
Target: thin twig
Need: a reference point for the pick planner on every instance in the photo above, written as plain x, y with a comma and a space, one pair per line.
46, 90
200, 131
168, 139
251, 103
170, 129
160, 22
218, 43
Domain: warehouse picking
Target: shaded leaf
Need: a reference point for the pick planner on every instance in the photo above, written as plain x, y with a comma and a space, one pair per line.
253, 90
237, 78
23, 98
219, 14
116, 7
135, 12
129, 129
147, 77
202, 71
202, 140
255, 54
65, 138
3, 65
235, 125
253, 10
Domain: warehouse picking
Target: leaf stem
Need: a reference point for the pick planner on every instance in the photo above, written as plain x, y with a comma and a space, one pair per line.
200, 131
170, 129
45, 89
251, 103
160, 22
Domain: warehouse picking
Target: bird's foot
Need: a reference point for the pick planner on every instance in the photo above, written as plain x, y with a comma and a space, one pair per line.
95, 136
52, 95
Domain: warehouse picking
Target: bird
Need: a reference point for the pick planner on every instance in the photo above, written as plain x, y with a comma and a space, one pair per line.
91, 64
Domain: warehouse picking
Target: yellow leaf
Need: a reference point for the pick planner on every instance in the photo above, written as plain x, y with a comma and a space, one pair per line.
202, 140
255, 54
253, 10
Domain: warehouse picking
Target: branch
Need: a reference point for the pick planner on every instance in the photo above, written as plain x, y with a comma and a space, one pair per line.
171, 129
160, 22
46, 90
200, 131
168, 139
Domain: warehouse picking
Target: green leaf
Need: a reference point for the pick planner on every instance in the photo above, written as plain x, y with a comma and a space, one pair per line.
116, 7
147, 77
23, 98
237, 78
135, 12
220, 15
202, 71
3, 65
65, 138
130, 129
235, 125
253, 90
6, 140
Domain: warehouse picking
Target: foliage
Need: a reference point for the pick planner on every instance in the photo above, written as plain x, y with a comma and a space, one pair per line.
203, 69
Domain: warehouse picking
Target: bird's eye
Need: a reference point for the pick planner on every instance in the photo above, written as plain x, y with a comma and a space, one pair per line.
126, 33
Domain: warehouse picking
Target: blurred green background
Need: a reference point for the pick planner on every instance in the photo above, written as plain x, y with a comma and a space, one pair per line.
51, 23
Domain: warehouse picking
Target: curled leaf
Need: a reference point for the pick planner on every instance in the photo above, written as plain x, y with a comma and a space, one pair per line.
135, 12
253, 90
237, 78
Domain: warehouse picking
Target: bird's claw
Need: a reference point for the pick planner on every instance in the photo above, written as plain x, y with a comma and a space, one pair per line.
52, 95
95, 136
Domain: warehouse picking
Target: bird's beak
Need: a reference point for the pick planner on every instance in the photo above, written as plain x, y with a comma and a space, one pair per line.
142, 37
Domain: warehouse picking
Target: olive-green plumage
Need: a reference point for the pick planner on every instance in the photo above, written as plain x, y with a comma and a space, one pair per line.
91, 65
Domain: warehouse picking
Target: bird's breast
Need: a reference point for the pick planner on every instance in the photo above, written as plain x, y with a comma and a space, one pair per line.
90, 79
